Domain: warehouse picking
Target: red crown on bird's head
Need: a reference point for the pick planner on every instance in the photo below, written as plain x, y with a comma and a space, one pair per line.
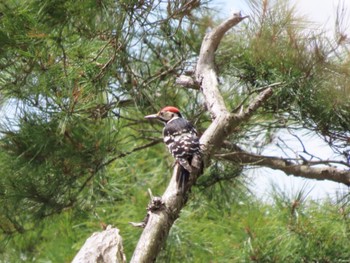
171, 109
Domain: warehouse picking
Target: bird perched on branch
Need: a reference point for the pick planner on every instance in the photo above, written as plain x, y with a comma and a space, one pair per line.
182, 140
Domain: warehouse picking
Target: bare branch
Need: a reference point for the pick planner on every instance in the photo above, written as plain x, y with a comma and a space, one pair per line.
224, 122
258, 90
205, 71
288, 166
255, 104
121, 155
187, 82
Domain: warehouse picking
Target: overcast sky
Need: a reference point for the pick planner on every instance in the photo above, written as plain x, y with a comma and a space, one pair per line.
323, 13
319, 11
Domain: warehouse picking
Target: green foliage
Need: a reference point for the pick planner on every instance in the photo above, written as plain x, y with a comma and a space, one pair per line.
249, 230
47, 171
78, 78
75, 71
278, 46
115, 197
229, 224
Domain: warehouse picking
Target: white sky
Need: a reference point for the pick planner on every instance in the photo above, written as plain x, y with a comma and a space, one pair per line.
323, 13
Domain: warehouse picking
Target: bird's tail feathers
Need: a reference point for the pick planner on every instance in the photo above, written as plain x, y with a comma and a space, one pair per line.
182, 179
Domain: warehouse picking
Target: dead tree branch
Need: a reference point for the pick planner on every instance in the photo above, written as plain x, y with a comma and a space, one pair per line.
158, 222
187, 81
224, 122
305, 170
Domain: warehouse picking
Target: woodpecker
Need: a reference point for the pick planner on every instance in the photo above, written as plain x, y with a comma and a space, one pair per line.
182, 140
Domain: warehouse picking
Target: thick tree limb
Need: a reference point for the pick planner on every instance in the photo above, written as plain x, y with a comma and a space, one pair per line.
224, 122
289, 167
159, 222
205, 72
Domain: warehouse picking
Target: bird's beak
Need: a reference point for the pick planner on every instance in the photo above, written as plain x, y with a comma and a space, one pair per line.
152, 116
